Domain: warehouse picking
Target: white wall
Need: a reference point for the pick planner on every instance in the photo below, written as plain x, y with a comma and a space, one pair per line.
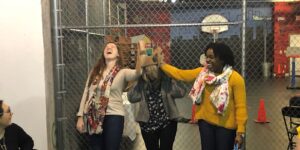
22, 77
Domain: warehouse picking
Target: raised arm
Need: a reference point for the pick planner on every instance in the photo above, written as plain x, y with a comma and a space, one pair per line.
139, 59
134, 74
179, 74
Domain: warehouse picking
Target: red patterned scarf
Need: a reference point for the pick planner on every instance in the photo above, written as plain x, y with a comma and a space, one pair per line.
99, 102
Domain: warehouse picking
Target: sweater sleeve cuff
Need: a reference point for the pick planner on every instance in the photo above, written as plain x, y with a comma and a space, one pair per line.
79, 114
240, 128
164, 66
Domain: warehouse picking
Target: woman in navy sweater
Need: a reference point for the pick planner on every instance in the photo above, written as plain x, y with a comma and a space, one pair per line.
12, 136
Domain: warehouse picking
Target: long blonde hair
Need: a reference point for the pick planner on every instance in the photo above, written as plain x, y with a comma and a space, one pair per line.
151, 71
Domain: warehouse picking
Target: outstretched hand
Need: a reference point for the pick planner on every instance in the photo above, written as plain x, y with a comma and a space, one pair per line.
159, 55
139, 58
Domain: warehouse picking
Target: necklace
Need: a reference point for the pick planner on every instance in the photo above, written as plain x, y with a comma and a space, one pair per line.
3, 145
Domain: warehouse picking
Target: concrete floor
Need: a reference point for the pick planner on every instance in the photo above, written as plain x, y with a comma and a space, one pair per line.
270, 136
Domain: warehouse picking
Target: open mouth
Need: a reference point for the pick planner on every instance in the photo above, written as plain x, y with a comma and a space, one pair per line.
108, 51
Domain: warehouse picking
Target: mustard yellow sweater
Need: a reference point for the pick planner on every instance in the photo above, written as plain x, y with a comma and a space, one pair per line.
235, 117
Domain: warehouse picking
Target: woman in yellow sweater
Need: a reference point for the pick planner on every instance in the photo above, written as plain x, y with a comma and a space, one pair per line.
219, 95
298, 139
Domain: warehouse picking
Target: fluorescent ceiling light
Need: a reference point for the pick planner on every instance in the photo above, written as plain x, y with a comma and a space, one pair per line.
284, 0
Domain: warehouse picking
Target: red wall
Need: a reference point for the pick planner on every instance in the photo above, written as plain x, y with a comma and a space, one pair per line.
282, 30
151, 14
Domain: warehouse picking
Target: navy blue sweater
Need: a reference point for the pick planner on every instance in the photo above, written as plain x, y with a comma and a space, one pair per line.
16, 138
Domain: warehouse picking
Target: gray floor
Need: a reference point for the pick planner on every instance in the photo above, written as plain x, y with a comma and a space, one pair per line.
270, 136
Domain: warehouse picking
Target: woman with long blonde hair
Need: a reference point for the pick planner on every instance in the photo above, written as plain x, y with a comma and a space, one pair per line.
158, 113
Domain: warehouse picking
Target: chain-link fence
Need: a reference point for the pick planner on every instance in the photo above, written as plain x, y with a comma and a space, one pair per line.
259, 33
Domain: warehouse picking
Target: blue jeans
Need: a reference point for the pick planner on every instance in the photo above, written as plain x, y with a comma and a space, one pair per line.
216, 138
111, 136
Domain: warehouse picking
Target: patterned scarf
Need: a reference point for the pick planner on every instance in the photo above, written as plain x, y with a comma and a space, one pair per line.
220, 95
99, 102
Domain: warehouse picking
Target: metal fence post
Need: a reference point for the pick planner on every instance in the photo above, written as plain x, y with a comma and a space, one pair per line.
58, 72
244, 38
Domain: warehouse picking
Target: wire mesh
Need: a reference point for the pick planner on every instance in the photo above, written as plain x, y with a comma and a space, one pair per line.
271, 27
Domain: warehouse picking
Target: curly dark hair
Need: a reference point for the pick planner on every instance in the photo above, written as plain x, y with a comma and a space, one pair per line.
223, 52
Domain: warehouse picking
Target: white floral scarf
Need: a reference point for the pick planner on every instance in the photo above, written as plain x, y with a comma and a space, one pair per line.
220, 95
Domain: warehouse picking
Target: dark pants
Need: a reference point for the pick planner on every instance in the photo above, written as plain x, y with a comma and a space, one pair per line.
215, 137
161, 139
111, 136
